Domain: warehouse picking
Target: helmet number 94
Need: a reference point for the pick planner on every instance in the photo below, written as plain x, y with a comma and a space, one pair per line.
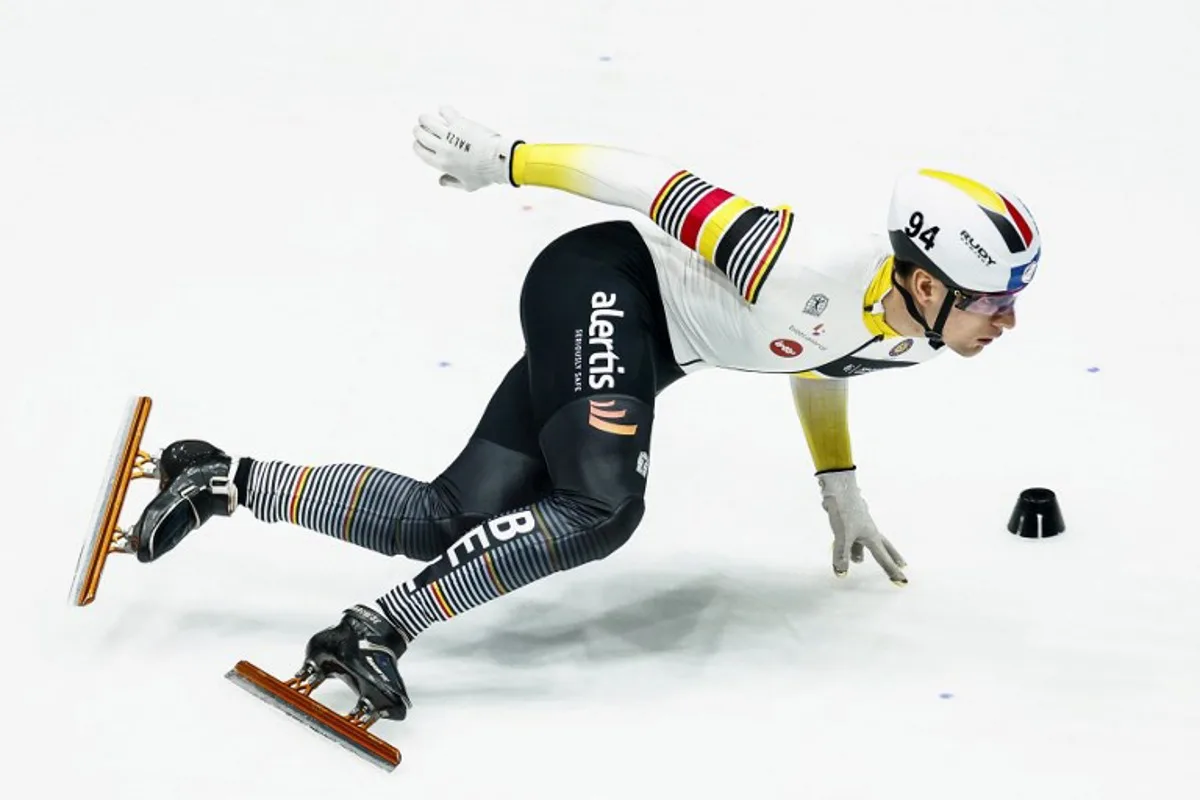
914, 230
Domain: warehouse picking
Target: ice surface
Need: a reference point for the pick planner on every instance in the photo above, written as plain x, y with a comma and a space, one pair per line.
215, 204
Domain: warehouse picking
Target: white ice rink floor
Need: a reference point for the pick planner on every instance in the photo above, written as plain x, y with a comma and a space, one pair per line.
215, 204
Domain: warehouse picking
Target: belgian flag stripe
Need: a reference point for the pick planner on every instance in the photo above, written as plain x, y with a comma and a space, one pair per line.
736, 233
1011, 237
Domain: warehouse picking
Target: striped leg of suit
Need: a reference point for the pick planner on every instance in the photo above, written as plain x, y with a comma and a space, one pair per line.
382, 511
394, 514
503, 554
595, 506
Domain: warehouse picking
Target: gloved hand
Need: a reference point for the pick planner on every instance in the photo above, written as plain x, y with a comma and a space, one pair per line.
469, 155
853, 528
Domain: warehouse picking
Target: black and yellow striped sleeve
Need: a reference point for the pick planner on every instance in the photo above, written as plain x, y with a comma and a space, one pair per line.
741, 239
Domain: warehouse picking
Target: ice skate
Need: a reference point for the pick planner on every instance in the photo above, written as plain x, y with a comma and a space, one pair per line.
127, 462
195, 483
362, 651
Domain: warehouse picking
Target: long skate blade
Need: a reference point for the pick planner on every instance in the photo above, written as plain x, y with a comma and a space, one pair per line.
304, 709
96, 546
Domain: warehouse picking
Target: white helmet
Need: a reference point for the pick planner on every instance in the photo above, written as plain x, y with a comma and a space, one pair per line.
970, 237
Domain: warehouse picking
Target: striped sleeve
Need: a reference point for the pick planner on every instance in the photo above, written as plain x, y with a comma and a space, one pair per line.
742, 239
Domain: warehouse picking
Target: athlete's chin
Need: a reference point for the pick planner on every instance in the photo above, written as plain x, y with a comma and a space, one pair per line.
970, 350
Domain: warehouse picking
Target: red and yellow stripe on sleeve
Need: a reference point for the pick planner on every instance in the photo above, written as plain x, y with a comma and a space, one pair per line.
742, 239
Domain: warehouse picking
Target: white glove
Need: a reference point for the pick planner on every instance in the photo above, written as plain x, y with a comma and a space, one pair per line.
853, 528
469, 155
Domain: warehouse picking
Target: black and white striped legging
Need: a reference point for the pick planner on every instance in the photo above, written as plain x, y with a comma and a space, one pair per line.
391, 513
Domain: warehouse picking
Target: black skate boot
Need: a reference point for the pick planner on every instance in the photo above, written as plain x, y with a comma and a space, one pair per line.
362, 651
195, 482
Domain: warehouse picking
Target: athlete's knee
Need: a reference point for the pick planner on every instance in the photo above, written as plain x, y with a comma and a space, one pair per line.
618, 527
596, 453
588, 529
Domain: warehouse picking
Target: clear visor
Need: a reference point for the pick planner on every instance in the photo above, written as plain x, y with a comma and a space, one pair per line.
989, 305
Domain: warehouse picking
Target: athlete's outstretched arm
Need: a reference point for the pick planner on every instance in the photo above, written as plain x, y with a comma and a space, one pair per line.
821, 405
742, 239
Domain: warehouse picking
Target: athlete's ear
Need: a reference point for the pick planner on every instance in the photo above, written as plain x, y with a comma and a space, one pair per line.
923, 286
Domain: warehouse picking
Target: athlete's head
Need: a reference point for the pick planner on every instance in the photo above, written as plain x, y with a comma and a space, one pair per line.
974, 321
963, 252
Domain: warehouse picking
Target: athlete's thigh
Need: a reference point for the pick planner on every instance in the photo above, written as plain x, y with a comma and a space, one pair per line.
587, 321
501, 466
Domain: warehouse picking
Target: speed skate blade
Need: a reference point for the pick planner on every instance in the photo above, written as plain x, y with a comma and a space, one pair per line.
121, 465
302, 708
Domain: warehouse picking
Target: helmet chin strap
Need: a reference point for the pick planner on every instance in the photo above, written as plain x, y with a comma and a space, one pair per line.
934, 334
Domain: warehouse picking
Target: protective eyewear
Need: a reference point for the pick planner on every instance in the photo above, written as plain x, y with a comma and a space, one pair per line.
988, 305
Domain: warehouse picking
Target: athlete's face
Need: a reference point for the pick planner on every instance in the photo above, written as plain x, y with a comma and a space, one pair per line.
967, 331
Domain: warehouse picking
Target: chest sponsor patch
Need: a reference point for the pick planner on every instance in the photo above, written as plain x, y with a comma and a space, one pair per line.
786, 348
